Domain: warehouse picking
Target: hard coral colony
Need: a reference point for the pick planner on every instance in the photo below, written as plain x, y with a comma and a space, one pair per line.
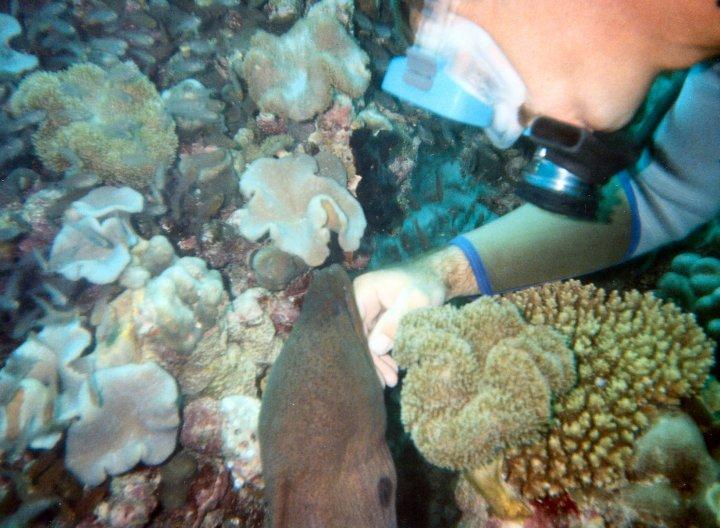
172, 172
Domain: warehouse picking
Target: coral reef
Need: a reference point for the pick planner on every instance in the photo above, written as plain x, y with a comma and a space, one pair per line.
95, 240
251, 150
172, 320
15, 137
192, 107
461, 402
252, 349
202, 427
333, 130
12, 63
672, 474
127, 414
293, 75
116, 416
132, 500
181, 318
534, 443
106, 334
442, 203
284, 11
240, 444
693, 282
202, 186
110, 122
274, 269
635, 354
32, 411
107, 34
298, 223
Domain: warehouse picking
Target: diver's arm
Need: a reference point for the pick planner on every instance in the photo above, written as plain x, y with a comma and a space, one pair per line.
529, 246
676, 190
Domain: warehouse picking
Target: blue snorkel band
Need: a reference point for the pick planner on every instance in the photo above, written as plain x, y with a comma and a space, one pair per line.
476, 264
624, 178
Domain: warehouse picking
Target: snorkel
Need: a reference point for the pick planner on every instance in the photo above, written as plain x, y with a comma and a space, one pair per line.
457, 71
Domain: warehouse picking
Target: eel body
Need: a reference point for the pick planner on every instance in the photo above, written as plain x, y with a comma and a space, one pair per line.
325, 459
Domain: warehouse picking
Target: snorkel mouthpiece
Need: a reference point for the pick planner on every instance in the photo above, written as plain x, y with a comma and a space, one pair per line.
457, 71
570, 166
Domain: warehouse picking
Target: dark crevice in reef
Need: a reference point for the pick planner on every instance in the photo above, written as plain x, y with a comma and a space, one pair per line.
378, 189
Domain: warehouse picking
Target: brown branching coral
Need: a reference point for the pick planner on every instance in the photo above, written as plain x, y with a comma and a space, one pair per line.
635, 354
479, 380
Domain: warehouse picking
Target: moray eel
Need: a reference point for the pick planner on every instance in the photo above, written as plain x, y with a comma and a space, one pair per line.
325, 460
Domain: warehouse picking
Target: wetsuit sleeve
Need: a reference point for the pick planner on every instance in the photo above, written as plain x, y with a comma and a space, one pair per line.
676, 189
676, 186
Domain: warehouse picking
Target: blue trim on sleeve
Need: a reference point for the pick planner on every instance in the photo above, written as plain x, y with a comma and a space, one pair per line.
476, 263
624, 178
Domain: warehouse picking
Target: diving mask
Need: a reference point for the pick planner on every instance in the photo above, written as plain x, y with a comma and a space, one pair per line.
456, 70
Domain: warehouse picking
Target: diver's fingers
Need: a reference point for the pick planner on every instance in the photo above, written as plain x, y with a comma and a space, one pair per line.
378, 342
386, 371
367, 299
380, 376
389, 361
382, 335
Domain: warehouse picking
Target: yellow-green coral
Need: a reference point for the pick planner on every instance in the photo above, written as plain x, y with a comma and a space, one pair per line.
635, 354
111, 122
479, 380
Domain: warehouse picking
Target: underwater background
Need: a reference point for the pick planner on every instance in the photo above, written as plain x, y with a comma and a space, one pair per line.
171, 172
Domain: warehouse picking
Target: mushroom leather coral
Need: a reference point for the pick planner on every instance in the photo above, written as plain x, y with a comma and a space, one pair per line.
293, 75
479, 380
635, 354
298, 222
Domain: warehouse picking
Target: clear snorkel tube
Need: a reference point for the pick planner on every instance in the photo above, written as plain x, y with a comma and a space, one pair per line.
456, 70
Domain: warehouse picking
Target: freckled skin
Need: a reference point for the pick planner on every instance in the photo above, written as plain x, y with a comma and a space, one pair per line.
322, 424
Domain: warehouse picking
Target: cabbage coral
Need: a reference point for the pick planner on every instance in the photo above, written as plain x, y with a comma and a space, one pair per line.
462, 399
635, 355
111, 122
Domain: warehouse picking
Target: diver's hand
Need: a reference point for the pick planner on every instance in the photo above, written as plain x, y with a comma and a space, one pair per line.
383, 297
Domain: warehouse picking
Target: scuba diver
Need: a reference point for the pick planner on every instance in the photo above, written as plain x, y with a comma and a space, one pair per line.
569, 76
